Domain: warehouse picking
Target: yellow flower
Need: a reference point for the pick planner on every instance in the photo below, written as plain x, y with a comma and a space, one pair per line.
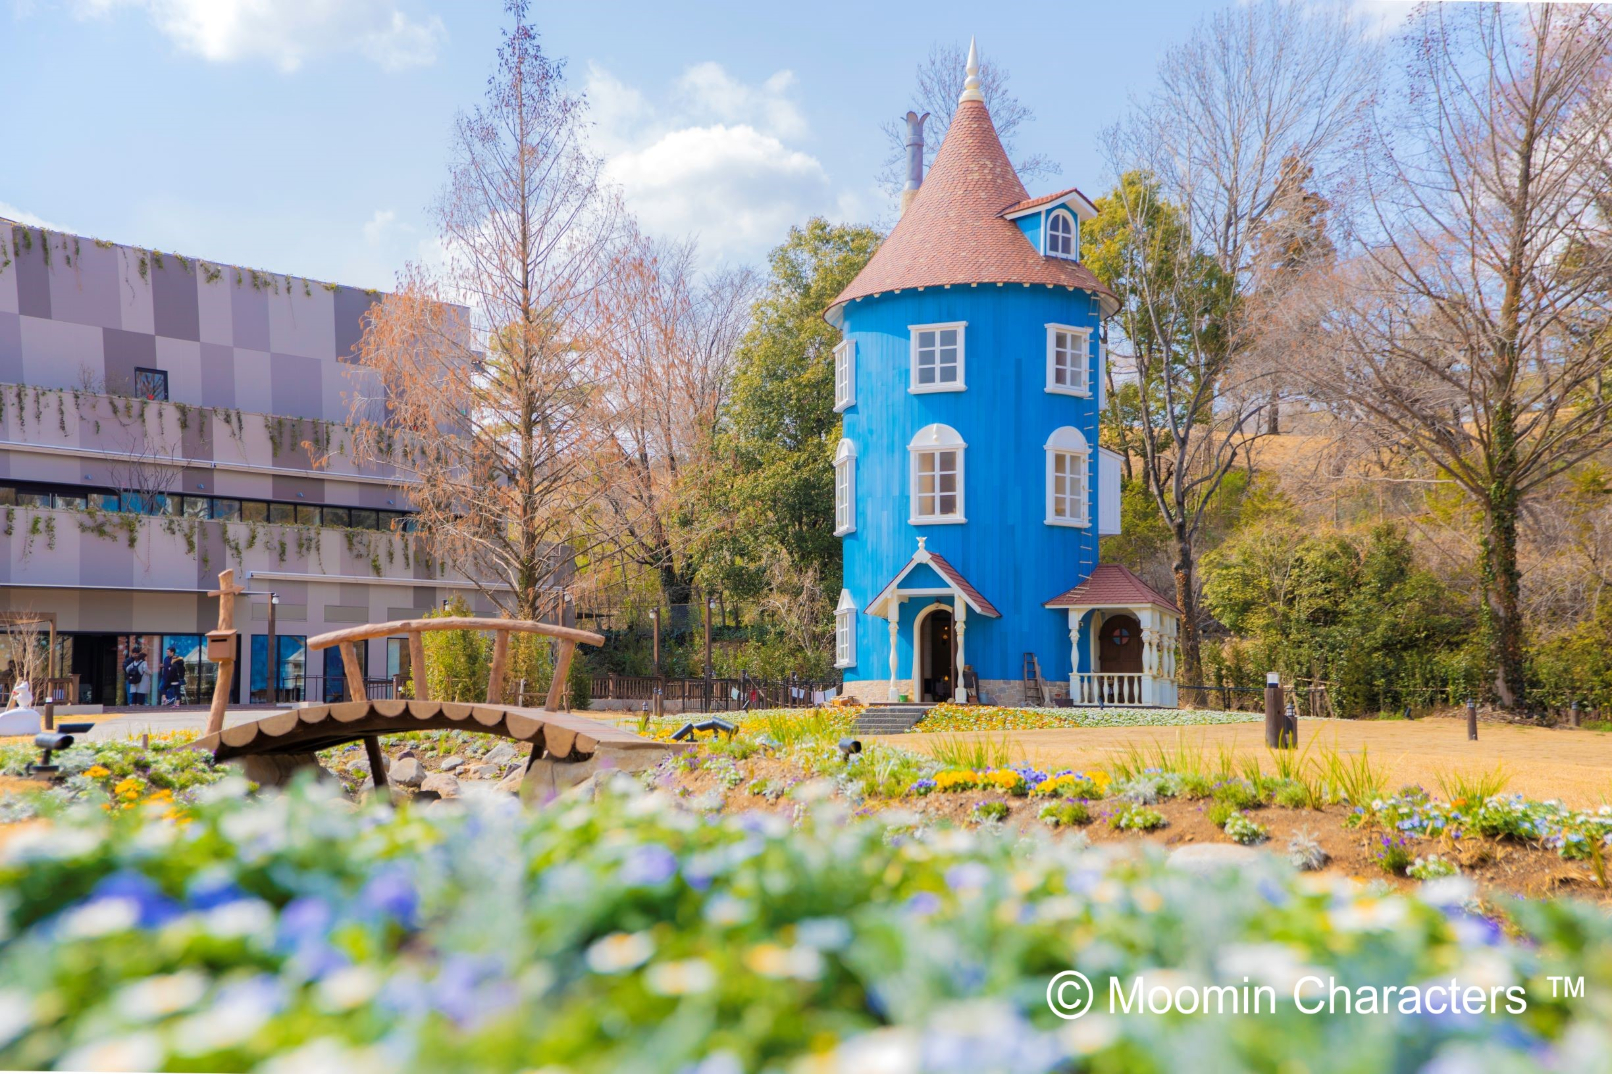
96, 771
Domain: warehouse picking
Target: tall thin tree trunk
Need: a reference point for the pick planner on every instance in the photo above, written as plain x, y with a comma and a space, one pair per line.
1190, 667
1502, 580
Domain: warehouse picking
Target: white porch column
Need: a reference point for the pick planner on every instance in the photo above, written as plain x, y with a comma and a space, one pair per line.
1074, 655
895, 628
1149, 640
959, 621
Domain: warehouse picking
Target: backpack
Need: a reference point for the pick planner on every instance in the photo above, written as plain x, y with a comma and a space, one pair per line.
131, 671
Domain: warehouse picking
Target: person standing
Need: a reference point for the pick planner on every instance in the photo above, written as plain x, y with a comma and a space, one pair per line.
173, 678
137, 675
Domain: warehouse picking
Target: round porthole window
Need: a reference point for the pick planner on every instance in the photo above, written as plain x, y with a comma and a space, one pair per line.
1122, 636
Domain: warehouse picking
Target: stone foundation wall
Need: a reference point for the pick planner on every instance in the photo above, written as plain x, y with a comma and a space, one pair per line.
1009, 692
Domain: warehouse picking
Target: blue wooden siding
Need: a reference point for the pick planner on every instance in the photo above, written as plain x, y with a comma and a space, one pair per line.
1005, 415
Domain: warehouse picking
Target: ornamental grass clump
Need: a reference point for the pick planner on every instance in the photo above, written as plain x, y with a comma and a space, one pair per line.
1304, 851
624, 932
1065, 814
1245, 831
1136, 818
1431, 867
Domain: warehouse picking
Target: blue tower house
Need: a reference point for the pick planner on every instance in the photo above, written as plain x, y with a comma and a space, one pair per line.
970, 491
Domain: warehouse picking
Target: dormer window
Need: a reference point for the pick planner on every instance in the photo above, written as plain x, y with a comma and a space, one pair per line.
1061, 240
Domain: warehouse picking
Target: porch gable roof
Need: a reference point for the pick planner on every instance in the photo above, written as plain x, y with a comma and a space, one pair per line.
1111, 585
949, 574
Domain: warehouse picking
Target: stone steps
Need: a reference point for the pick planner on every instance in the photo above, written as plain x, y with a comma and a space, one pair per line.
889, 719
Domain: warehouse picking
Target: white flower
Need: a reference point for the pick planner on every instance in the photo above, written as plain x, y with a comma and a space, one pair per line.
724, 909
100, 918
16, 1013
241, 917
157, 997
680, 978
327, 1056
348, 987
620, 951
139, 1051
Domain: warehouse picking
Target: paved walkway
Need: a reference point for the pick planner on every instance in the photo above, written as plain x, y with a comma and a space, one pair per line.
1574, 766
156, 721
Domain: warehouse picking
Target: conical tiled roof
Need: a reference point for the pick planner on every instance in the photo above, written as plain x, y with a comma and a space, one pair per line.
953, 232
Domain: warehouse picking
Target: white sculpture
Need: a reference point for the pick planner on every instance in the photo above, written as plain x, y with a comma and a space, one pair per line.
22, 720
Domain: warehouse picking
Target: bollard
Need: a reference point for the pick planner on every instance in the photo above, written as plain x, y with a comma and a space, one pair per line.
50, 715
1471, 720
1275, 720
1290, 728
1576, 716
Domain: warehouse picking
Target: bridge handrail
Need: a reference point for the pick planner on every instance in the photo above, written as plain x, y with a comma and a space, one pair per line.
569, 638
462, 622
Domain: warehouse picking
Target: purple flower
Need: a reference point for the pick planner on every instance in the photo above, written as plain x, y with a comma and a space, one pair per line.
469, 990
154, 906
648, 866
390, 893
923, 904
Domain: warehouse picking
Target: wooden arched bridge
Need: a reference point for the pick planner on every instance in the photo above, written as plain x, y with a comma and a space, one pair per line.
565, 749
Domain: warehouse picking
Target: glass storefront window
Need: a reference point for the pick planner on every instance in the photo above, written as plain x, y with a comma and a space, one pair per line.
293, 656
254, 511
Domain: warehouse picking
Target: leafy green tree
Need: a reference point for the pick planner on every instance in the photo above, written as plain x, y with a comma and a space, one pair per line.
776, 494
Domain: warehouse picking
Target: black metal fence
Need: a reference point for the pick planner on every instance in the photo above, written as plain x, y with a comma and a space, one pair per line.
714, 695
324, 689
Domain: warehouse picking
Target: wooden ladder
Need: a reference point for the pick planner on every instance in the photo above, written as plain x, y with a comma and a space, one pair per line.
1034, 695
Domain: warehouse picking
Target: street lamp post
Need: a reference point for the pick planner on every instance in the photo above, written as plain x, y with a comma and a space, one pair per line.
710, 604
274, 663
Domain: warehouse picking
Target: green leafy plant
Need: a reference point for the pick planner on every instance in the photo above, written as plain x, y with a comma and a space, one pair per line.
1137, 818
1071, 814
1245, 831
990, 812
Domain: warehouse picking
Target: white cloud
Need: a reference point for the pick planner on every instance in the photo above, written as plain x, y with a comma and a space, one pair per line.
736, 189
379, 224
712, 157
287, 32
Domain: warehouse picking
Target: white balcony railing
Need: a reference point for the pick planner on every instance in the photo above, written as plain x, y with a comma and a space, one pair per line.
1108, 688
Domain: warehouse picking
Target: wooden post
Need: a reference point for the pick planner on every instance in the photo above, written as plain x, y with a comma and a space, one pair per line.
1275, 722
377, 766
50, 715
555, 702
355, 674
1471, 720
422, 689
495, 677
226, 665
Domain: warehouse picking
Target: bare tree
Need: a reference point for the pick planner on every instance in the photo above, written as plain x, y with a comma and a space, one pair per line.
1473, 328
24, 654
484, 420
145, 476
939, 84
1258, 93
661, 367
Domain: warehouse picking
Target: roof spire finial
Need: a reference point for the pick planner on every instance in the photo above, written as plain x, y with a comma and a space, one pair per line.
971, 85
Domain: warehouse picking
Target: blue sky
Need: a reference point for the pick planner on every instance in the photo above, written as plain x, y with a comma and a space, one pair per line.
307, 136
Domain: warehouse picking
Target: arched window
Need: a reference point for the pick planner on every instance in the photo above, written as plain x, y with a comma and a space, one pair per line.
1061, 235
845, 631
937, 475
844, 488
1068, 483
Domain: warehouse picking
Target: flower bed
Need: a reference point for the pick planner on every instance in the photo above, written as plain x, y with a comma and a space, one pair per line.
949, 717
626, 933
1575, 834
117, 774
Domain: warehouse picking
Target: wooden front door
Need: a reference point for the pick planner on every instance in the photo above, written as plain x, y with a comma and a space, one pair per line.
1119, 645
938, 646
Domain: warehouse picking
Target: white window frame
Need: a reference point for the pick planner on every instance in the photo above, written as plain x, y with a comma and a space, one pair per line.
845, 631
914, 331
844, 488
1082, 339
844, 375
1074, 235
932, 440
1069, 444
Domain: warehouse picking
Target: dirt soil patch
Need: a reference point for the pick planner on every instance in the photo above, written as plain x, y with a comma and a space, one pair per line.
1574, 766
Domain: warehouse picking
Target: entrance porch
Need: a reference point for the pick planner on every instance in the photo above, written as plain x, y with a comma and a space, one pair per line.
938, 631
1123, 638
